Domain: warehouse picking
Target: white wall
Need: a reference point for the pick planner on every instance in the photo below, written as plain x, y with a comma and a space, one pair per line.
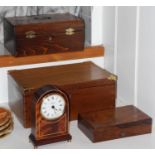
109, 36
146, 60
126, 46
133, 55
119, 40
97, 25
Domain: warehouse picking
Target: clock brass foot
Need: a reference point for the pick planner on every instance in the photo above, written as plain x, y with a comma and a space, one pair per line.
69, 140
35, 147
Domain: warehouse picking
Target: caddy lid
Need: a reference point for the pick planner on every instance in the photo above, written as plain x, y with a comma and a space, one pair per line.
71, 75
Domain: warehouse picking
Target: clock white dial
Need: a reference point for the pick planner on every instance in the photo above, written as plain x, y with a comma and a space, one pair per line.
52, 106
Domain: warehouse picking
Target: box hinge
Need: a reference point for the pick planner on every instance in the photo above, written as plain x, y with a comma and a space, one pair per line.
112, 77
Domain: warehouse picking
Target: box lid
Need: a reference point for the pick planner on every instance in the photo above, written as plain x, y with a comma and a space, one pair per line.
121, 117
40, 19
70, 76
46, 25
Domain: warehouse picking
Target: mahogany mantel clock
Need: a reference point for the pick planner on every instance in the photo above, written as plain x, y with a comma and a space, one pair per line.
50, 113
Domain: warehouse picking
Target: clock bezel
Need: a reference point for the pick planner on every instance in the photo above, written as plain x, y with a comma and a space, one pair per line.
49, 94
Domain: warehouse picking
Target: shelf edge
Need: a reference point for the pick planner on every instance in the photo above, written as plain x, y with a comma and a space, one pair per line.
88, 52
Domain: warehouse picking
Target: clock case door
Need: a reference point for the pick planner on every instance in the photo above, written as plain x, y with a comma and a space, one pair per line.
54, 130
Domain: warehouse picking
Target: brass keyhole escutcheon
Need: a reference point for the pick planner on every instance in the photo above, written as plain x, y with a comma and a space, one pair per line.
70, 31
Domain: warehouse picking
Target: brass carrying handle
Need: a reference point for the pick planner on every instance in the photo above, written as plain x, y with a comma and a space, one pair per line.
30, 34
70, 31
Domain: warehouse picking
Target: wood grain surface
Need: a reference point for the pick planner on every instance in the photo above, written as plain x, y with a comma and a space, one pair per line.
114, 123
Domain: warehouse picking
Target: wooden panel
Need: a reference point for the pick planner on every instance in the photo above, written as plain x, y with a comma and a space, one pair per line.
47, 44
92, 99
89, 52
114, 123
85, 74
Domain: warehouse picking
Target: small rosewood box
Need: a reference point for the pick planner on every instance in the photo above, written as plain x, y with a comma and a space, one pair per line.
43, 34
114, 123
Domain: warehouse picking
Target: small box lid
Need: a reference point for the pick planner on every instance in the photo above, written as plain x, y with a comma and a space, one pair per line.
121, 116
40, 19
79, 75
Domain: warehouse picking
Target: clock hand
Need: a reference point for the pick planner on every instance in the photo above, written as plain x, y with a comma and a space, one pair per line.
56, 109
53, 107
